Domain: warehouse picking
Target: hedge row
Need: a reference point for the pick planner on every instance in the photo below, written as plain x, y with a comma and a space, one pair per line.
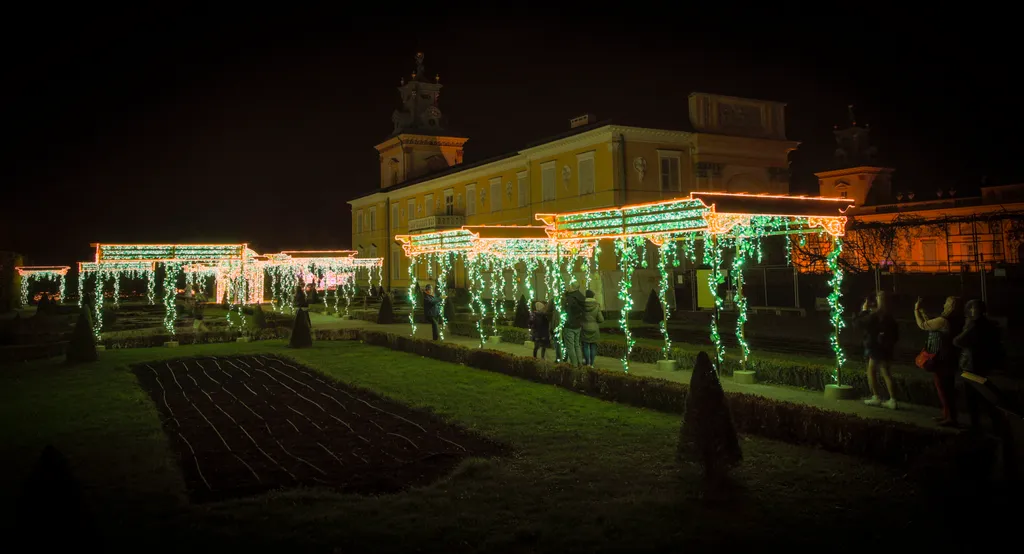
887, 442
772, 371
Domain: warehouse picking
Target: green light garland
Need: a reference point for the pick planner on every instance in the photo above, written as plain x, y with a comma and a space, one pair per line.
97, 324
412, 294
627, 252
745, 248
666, 254
836, 307
81, 287
171, 270
713, 258
476, 303
41, 275
444, 262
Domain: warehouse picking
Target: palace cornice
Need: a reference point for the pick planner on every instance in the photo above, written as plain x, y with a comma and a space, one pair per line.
747, 147
853, 171
423, 140
470, 174
644, 134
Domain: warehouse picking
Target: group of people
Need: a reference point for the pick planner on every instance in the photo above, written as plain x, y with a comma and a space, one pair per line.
960, 339
580, 333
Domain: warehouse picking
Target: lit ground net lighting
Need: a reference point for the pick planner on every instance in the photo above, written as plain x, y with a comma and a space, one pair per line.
245, 425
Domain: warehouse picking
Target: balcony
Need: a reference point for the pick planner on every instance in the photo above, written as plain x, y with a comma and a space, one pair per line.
436, 222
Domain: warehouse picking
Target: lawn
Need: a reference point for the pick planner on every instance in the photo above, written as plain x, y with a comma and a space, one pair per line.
586, 475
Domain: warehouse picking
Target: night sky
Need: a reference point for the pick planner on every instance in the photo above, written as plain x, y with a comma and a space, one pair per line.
169, 128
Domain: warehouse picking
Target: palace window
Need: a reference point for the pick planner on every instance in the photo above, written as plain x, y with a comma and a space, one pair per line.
928, 251
428, 205
394, 216
396, 264
411, 208
523, 188
471, 199
547, 181
668, 162
449, 202
373, 219
495, 194
359, 221
585, 172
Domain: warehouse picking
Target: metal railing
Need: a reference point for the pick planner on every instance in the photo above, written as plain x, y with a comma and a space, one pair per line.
436, 222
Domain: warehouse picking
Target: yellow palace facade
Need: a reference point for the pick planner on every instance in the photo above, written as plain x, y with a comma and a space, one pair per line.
732, 145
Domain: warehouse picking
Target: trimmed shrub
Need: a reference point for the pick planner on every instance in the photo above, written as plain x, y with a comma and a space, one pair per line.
301, 333
259, 319
522, 320
386, 314
653, 313
82, 348
707, 435
888, 442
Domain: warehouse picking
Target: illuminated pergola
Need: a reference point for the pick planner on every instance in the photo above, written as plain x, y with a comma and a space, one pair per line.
29, 273
235, 268
493, 250
723, 222
325, 269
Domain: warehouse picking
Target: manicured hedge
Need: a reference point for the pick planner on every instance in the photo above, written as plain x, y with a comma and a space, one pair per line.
888, 442
771, 371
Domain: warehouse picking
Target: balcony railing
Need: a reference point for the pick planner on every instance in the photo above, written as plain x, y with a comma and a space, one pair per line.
434, 222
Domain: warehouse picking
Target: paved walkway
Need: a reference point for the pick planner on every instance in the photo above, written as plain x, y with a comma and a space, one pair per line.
908, 413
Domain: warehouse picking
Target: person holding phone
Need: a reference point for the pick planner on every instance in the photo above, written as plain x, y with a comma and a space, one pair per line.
941, 331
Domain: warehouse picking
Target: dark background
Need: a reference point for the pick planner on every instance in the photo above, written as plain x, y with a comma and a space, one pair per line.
185, 126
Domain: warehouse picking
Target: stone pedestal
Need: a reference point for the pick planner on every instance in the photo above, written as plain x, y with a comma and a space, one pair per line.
171, 344
839, 392
242, 339
668, 365
529, 344
744, 377
494, 340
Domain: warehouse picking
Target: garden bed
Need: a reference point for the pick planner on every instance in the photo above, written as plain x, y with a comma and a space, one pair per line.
244, 425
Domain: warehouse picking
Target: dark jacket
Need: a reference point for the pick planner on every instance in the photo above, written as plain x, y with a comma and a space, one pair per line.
574, 305
980, 348
430, 304
300, 300
881, 332
540, 328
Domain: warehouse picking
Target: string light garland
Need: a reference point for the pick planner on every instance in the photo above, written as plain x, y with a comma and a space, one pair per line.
836, 306
626, 249
412, 296
57, 274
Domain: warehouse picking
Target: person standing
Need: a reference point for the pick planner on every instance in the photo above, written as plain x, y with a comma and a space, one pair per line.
980, 353
941, 331
430, 309
592, 319
880, 335
540, 329
302, 305
198, 309
574, 305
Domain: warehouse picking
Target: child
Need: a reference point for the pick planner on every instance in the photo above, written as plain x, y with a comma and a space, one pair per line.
540, 331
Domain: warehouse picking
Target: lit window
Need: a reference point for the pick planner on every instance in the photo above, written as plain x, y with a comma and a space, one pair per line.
495, 194
359, 221
471, 199
668, 162
524, 189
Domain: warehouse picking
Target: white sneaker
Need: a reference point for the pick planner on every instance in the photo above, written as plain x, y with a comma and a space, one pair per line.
890, 403
873, 401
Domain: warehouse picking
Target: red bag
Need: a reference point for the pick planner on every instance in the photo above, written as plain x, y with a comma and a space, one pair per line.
925, 360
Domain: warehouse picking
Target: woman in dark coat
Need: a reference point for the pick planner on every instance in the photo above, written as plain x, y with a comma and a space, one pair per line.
540, 329
302, 335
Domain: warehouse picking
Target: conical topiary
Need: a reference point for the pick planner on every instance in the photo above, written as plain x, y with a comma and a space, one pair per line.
302, 335
259, 319
82, 348
522, 313
653, 313
707, 435
386, 315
